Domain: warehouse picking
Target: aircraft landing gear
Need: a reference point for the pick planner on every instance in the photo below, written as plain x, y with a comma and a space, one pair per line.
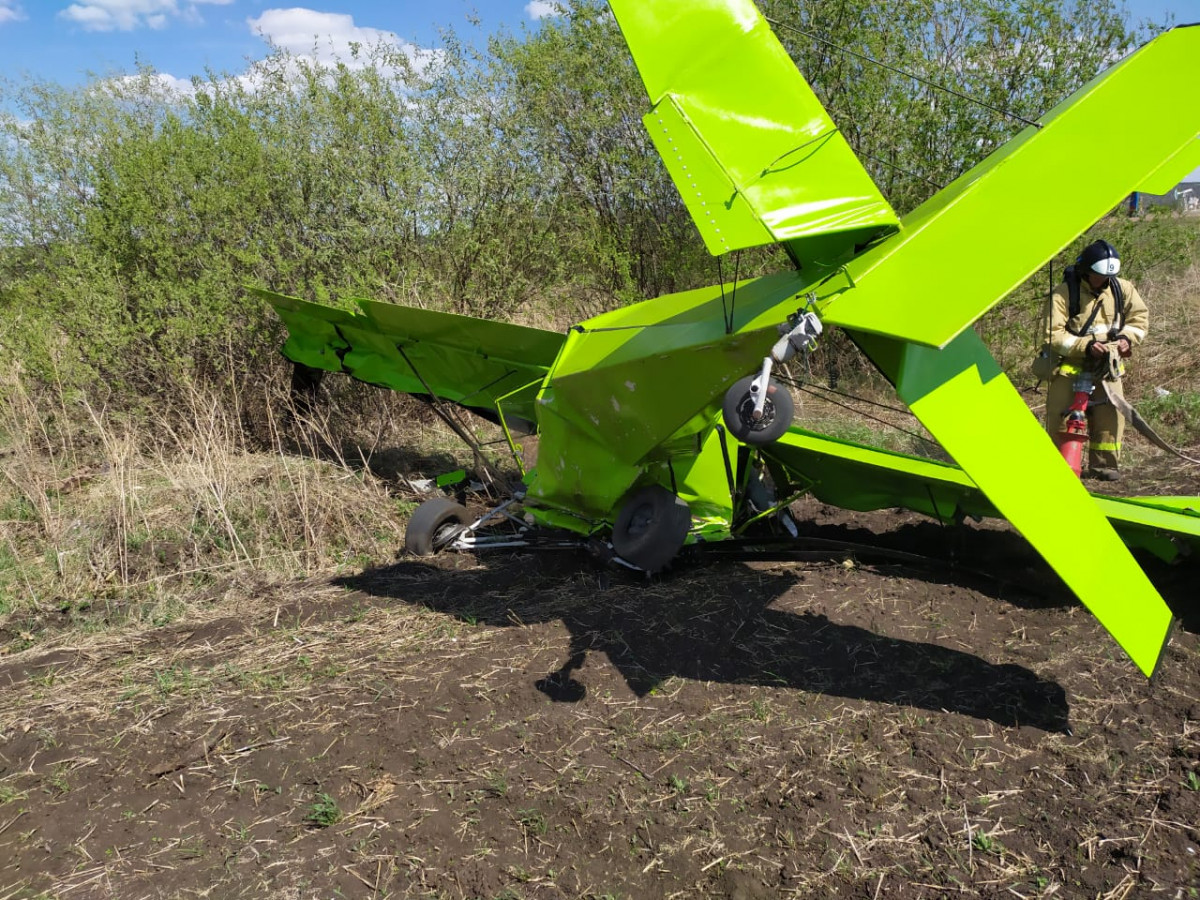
434, 526
757, 409
651, 527
752, 425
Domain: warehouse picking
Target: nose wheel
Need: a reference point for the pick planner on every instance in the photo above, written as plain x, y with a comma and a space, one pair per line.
749, 424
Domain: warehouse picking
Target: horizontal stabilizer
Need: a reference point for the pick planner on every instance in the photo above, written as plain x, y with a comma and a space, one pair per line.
753, 153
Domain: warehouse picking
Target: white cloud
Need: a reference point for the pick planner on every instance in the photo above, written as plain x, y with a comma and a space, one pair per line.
541, 9
307, 36
167, 86
126, 15
328, 38
10, 11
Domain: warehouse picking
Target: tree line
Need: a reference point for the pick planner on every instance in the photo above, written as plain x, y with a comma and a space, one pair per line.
508, 178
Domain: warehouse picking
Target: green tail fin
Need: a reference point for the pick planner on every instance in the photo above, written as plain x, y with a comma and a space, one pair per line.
754, 154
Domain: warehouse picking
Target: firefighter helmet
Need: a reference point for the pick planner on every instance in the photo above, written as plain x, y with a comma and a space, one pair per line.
1100, 257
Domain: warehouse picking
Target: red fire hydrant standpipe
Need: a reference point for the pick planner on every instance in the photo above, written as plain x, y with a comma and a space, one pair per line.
1074, 432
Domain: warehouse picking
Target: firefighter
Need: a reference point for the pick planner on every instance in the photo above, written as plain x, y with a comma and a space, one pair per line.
1094, 320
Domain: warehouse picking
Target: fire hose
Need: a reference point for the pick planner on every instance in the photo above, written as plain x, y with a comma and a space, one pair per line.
1071, 437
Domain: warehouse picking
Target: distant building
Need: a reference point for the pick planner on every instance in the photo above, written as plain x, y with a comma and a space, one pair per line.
1185, 198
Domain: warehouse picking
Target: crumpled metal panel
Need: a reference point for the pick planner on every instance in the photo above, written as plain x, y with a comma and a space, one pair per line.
754, 154
313, 338
517, 344
634, 378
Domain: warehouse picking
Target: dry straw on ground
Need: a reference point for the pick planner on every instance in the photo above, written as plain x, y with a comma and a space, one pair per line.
123, 515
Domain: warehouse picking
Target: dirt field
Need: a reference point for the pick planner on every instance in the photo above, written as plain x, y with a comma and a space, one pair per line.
533, 726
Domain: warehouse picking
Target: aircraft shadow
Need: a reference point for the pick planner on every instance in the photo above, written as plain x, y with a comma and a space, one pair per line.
999, 563
714, 623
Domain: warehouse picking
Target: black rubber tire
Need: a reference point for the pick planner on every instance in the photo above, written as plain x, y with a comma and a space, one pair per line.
778, 411
433, 525
651, 526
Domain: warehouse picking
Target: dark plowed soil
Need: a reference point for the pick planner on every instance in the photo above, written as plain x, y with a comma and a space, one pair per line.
524, 726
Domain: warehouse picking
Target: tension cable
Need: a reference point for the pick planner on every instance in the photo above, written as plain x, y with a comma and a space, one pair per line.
883, 65
727, 312
823, 392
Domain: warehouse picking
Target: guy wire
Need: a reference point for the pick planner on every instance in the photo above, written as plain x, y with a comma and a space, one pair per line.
883, 65
820, 392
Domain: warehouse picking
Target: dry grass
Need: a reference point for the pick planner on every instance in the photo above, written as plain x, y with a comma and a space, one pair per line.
107, 516
1170, 359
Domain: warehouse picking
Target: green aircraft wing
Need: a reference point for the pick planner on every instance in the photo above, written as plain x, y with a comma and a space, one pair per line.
856, 476
313, 338
494, 368
981, 237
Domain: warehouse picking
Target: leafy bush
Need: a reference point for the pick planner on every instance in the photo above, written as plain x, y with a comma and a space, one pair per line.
513, 183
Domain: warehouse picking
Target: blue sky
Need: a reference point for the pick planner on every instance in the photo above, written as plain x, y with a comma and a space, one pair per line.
64, 40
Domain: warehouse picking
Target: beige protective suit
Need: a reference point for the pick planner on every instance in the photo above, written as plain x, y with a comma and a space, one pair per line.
1066, 338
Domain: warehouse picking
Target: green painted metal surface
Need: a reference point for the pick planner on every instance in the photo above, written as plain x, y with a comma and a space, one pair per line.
639, 389
313, 338
635, 377
472, 362
974, 412
864, 478
753, 166
860, 477
1168, 530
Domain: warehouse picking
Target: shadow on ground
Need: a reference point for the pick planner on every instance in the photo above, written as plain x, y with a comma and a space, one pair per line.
716, 624
997, 561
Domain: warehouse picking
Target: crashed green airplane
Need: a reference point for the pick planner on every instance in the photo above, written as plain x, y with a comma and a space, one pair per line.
654, 420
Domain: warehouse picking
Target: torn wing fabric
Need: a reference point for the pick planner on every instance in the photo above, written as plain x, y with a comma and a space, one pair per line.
494, 368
